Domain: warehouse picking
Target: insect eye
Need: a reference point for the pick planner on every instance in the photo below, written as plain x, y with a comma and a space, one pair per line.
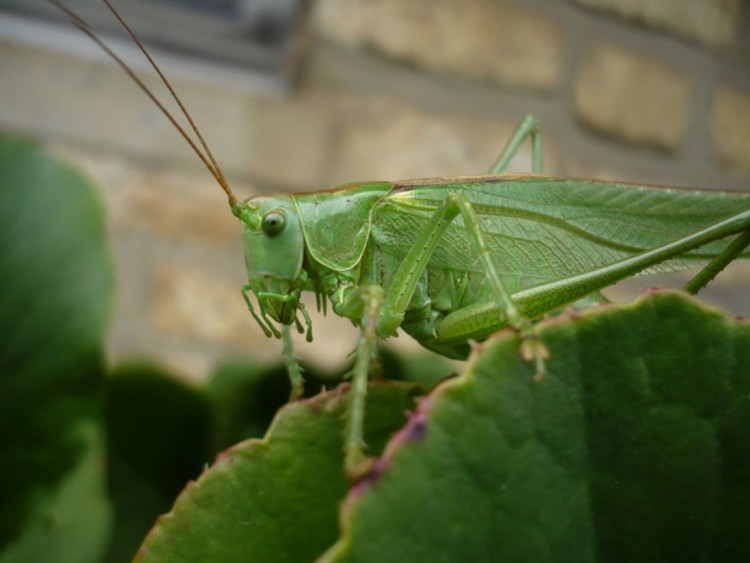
273, 222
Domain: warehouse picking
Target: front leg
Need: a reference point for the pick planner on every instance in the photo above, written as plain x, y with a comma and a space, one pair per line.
296, 380
370, 299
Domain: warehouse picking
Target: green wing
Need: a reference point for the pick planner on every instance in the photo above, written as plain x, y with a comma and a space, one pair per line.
541, 229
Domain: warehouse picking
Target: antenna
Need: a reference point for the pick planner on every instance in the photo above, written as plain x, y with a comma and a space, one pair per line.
208, 158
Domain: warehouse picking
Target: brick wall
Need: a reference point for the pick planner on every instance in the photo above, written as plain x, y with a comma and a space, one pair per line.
653, 91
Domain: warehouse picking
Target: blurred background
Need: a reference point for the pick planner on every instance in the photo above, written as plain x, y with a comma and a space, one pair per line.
302, 95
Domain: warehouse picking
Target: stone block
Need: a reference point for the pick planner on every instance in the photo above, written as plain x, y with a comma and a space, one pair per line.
711, 22
631, 97
730, 129
383, 139
92, 104
478, 39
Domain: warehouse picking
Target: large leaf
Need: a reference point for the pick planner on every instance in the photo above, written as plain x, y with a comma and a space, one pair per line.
275, 499
54, 306
635, 447
72, 521
159, 434
162, 433
247, 396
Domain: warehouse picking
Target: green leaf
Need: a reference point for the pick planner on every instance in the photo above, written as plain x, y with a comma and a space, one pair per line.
159, 433
247, 396
275, 499
73, 521
54, 308
633, 448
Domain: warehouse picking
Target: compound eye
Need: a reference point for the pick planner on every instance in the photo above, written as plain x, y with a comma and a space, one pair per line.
273, 222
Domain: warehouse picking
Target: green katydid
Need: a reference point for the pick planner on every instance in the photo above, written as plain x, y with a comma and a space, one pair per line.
451, 260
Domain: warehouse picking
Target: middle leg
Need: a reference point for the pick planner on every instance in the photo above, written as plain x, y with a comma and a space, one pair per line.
414, 263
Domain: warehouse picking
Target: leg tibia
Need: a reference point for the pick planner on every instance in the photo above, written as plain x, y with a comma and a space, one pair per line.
355, 461
501, 294
292, 365
732, 251
528, 127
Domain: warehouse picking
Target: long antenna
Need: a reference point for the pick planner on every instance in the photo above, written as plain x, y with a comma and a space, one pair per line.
209, 161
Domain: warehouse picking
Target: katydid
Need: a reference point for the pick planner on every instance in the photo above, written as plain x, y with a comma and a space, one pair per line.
451, 260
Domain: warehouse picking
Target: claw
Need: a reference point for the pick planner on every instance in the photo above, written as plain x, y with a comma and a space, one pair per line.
533, 350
